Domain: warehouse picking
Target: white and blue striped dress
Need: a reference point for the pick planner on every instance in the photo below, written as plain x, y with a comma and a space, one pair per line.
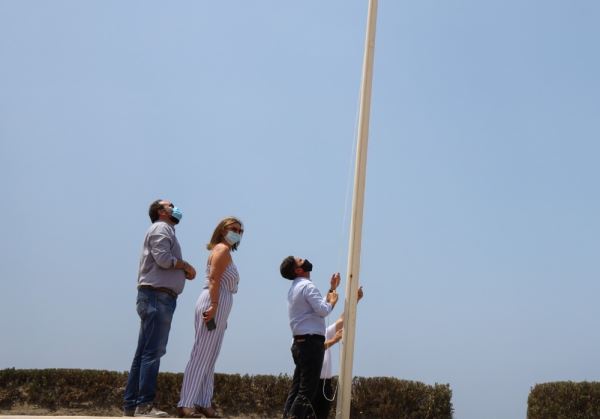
198, 378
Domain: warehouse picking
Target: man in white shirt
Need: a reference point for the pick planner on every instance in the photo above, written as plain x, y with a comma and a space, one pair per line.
307, 310
325, 394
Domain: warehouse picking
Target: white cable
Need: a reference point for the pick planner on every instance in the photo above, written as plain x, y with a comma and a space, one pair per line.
348, 187
343, 227
334, 391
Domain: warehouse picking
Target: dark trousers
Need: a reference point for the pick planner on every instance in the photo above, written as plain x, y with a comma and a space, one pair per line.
323, 399
307, 351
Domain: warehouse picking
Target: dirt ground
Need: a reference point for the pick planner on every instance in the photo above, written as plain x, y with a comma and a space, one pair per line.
37, 411
34, 412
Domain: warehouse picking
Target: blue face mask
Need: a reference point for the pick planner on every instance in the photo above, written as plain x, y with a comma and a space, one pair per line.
232, 237
176, 215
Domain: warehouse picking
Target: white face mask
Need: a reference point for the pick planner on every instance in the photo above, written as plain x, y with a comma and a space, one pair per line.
232, 237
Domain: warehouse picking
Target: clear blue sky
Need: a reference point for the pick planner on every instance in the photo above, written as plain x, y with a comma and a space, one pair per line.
481, 240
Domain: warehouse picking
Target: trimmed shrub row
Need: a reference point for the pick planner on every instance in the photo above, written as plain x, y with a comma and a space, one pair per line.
564, 400
97, 392
385, 397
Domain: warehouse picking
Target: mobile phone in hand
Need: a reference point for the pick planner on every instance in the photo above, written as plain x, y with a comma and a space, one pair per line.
211, 324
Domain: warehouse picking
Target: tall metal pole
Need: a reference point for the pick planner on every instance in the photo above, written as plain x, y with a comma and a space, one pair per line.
353, 268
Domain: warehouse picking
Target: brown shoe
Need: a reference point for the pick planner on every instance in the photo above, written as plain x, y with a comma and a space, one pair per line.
209, 412
188, 412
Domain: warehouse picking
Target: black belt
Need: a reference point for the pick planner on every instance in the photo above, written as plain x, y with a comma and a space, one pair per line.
309, 336
159, 289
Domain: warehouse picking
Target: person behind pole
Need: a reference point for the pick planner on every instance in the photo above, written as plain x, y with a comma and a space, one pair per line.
307, 310
161, 278
212, 310
326, 394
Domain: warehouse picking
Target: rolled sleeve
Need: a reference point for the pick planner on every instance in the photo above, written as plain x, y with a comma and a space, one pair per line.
160, 248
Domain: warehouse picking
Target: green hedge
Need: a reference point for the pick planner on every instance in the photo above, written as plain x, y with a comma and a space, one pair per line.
564, 400
385, 397
101, 392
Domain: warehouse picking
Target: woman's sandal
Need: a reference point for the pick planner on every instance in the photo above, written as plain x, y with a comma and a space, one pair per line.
188, 412
209, 412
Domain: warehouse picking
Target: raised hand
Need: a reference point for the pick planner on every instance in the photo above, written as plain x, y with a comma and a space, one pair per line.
335, 281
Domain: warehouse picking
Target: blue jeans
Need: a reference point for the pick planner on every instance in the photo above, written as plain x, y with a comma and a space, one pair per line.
156, 310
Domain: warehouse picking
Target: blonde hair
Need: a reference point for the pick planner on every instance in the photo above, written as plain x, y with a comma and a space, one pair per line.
219, 234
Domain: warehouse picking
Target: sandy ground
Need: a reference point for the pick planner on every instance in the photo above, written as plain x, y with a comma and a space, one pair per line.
18, 416
30, 412
74, 417
33, 412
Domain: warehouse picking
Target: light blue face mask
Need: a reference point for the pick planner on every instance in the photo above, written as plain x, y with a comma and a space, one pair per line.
176, 214
232, 237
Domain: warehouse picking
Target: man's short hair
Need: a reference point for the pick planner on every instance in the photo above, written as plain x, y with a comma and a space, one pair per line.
288, 268
153, 210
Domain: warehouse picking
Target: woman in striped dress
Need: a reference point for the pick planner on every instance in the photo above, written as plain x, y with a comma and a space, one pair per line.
212, 310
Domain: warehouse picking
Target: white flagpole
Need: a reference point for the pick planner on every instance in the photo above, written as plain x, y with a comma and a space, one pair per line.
353, 267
